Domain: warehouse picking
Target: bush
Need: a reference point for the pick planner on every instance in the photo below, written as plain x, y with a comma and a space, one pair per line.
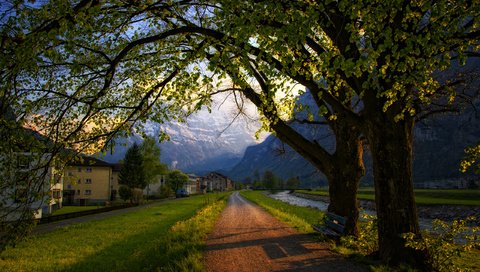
165, 191
367, 241
125, 193
445, 242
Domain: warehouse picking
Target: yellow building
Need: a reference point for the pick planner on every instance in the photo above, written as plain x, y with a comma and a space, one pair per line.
89, 181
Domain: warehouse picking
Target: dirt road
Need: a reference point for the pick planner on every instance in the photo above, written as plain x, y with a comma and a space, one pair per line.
246, 238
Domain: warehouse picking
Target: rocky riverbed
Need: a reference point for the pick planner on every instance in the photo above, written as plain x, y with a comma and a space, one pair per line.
442, 212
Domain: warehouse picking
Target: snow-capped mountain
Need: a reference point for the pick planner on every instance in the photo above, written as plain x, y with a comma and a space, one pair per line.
205, 142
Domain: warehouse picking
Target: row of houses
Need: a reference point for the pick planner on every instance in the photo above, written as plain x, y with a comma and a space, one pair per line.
91, 181
84, 181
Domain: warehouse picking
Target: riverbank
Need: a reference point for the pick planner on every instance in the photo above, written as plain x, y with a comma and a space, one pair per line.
442, 212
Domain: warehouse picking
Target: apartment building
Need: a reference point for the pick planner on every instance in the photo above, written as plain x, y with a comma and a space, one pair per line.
89, 181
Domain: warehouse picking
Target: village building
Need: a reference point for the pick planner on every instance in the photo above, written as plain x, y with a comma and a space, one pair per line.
192, 185
34, 183
89, 181
152, 189
215, 181
31, 179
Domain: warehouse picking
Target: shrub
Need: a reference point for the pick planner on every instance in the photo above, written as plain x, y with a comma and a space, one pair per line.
165, 191
125, 193
445, 242
367, 240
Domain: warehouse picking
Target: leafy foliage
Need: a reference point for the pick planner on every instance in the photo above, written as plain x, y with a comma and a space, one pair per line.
151, 160
84, 72
176, 179
367, 242
165, 191
445, 242
125, 193
472, 159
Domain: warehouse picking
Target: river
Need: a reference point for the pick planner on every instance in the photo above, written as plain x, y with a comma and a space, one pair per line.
322, 206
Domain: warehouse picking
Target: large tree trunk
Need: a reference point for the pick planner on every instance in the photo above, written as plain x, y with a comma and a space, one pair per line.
344, 176
344, 168
391, 145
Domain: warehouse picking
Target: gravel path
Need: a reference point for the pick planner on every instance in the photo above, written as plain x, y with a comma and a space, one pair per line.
246, 238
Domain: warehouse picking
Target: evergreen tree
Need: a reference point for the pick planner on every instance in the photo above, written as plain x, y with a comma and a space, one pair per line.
132, 173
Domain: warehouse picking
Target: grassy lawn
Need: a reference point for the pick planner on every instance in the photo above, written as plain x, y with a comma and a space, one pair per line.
422, 196
166, 237
300, 218
72, 209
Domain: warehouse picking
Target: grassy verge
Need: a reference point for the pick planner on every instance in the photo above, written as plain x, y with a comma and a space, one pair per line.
300, 218
422, 196
166, 237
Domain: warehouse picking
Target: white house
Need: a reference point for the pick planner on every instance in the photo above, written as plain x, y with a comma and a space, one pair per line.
30, 184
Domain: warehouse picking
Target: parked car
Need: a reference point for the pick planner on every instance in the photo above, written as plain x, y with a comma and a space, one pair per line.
181, 193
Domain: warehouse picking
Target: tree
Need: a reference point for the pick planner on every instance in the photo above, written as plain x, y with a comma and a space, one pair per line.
176, 179
151, 160
369, 65
247, 181
293, 183
270, 180
132, 173
125, 193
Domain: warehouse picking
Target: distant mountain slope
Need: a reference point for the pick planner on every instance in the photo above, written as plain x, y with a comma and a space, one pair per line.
207, 142
275, 156
438, 148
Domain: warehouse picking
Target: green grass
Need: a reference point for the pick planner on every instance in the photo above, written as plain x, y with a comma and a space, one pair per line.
166, 237
422, 196
300, 218
72, 209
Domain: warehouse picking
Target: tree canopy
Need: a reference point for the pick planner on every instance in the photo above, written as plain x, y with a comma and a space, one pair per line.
82, 72
152, 166
176, 179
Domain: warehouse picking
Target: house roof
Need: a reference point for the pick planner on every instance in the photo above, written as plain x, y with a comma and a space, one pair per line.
218, 174
83, 160
116, 167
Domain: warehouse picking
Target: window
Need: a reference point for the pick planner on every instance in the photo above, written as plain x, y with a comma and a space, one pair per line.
78, 192
79, 169
69, 186
79, 181
88, 169
70, 174
88, 181
88, 192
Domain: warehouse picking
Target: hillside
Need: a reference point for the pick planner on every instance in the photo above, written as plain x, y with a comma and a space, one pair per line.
438, 148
